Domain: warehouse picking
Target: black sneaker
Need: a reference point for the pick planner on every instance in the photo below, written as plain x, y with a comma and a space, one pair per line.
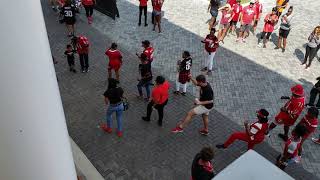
160, 123
220, 146
145, 25
276, 47
74, 71
183, 94
176, 92
283, 50
283, 137
145, 119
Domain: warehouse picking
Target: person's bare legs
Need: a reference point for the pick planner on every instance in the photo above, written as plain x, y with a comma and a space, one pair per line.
279, 42
205, 119
158, 18
224, 33
212, 22
220, 34
284, 43
187, 119
117, 75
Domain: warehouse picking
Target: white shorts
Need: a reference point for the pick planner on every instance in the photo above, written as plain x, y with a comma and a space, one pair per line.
200, 109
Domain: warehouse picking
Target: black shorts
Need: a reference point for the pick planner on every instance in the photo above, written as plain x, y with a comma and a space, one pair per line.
70, 21
71, 62
233, 23
263, 34
283, 33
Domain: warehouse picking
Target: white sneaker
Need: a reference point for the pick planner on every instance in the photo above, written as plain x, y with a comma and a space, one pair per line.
260, 45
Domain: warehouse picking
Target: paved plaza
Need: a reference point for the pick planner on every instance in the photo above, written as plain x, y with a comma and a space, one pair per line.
245, 79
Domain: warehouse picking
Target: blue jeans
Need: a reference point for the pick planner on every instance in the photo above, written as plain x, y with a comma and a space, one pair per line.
146, 85
119, 110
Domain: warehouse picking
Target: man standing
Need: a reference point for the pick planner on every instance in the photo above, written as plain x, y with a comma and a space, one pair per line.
82, 44
315, 91
247, 16
143, 7
258, 7
184, 68
211, 45
203, 106
290, 112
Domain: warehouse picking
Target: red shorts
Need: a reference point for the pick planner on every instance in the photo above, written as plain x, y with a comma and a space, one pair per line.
114, 65
285, 119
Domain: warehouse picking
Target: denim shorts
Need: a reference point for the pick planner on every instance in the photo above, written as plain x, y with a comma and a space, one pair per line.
214, 13
156, 13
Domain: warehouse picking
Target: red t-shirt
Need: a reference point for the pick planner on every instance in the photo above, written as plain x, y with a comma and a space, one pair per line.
211, 43
232, 2
258, 7
236, 12
310, 123
160, 93
157, 5
259, 130
248, 14
295, 106
149, 53
83, 45
270, 21
143, 2
87, 2
225, 17
114, 56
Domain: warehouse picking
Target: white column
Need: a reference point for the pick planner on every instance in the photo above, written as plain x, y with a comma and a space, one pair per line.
34, 141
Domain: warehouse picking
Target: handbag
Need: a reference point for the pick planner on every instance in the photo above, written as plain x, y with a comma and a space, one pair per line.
125, 104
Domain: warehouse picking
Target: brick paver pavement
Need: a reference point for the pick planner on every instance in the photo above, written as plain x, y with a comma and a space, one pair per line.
243, 83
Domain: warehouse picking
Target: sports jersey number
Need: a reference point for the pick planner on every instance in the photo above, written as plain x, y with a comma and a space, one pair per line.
68, 14
188, 65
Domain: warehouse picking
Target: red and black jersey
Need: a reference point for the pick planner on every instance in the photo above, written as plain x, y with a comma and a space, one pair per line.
149, 53
185, 65
68, 12
211, 43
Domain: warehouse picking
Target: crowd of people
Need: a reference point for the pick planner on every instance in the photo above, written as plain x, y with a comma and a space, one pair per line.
157, 97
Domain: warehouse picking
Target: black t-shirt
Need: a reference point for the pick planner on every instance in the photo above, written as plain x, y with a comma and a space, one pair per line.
114, 95
206, 94
198, 172
69, 12
145, 72
70, 55
185, 65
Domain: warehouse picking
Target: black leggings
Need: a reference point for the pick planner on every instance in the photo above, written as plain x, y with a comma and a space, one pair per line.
89, 10
84, 61
311, 53
263, 34
159, 107
144, 9
313, 94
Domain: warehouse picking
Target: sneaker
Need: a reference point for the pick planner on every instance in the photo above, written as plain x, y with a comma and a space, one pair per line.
139, 96
119, 133
145, 25
283, 50
204, 69
220, 146
283, 137
183, 93
177, 130
145, 119
139, 24
204, 132
316, 140
83, 71
105, 128
276, 47
176, 92
244, 40
73, 70
87, 70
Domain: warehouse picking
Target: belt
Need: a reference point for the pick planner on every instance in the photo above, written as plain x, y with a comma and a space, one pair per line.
117, 104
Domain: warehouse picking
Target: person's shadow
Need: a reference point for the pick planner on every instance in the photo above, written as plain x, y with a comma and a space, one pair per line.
299, 54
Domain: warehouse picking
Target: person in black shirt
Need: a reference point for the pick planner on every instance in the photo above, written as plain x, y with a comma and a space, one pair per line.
68, 12
202, 168
184, 70
113, 99
203, 106
69, 52
314, 93
146, 76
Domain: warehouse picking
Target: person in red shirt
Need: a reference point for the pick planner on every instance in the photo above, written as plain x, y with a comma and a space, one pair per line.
310, 121
236, 8
202, 167
115, 60
88, 6
290, 112
258, 7
270, 21
211, 44
292, 149
254, 132
157, 5
148, 50
82, 44
159, 98
226, 18
247, 17
143, 7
